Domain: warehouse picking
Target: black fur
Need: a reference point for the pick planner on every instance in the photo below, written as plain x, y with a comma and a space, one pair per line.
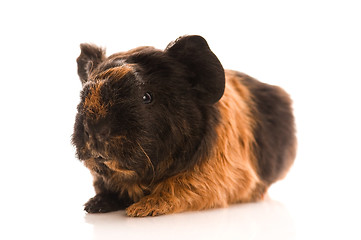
106, 202
171, 128
208, 78
116, 130
88, 60
274, 133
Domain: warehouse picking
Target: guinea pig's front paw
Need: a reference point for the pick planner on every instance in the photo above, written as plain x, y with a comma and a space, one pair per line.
150, 206
103, 203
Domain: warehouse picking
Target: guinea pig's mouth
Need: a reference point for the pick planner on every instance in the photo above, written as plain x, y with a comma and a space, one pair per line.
99, 158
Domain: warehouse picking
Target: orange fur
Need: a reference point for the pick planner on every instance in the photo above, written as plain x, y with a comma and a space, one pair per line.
114, 166
93, 104
228, 176
133, 189
115, 72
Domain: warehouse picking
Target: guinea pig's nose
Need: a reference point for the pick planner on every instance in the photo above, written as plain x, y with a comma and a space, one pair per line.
88, 134
96, 132
86, 131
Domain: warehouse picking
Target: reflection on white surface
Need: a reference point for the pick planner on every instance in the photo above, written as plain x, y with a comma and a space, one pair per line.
264, 220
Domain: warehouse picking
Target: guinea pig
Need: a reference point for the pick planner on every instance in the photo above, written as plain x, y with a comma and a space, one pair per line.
168, 131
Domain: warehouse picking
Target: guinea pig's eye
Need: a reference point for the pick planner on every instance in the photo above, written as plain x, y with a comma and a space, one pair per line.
147, 98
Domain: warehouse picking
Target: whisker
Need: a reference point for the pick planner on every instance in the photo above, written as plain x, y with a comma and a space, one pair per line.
149, 161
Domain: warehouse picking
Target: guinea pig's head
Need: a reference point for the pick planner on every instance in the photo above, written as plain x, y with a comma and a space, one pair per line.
146, 110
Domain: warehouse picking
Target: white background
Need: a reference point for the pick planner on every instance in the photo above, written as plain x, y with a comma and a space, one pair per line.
310, 48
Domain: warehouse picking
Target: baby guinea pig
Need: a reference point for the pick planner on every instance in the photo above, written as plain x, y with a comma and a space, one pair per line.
171, 131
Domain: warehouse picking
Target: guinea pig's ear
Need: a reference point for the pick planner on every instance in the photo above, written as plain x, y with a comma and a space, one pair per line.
208, 74
89, 58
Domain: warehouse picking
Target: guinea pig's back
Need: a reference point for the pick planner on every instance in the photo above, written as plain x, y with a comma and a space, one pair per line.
274, 130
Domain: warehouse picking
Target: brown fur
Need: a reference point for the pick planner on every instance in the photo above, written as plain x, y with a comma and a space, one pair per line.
171, 131
93, 104
119, 181
229, 176
115, 72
